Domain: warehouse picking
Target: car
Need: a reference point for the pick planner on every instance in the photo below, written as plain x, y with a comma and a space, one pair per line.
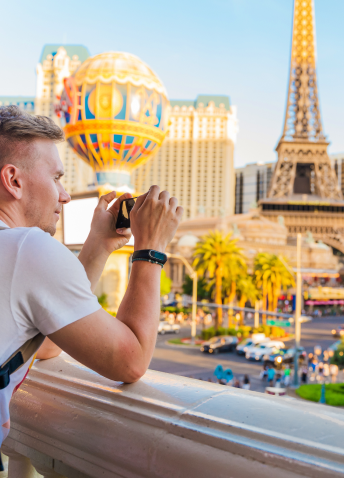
221, 343
258, 351
242, 348
165, 327
338, 332
283, 356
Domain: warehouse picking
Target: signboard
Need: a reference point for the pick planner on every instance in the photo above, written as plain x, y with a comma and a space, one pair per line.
279, 323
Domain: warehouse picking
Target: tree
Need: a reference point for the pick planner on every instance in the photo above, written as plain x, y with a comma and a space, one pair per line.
246, 291
203, 291
165, 284
272, 275
102, 299
214, 255
235, 269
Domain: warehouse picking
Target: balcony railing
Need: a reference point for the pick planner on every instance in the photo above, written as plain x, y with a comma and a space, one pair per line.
69, 422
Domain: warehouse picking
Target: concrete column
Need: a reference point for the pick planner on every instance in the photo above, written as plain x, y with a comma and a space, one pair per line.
19, 466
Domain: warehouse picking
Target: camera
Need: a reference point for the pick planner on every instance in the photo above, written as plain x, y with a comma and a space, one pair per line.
123, 220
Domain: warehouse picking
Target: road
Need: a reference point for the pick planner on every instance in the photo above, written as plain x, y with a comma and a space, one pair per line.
190, 362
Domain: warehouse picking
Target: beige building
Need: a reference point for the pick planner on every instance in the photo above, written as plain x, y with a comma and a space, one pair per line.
195, 162
56, 63
255, 233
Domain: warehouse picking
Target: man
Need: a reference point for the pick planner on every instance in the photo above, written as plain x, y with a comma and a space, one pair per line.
271, 376
45, 288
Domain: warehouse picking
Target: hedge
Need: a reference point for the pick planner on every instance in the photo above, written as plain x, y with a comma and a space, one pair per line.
243, 332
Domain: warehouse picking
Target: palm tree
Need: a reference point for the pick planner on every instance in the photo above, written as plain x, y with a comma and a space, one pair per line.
235, 269
214, 254
246, 291
272, 275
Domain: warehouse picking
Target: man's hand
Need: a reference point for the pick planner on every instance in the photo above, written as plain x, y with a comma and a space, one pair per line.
103, 228
103, 238
154, 219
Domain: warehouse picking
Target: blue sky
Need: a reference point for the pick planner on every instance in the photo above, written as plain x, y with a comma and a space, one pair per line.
240, 48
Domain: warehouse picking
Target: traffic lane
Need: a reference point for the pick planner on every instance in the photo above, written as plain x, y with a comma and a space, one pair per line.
194, 359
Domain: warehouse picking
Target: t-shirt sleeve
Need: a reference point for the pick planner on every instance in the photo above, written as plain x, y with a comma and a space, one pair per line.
50, 287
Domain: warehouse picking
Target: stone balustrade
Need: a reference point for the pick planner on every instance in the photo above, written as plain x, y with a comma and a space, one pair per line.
67, 421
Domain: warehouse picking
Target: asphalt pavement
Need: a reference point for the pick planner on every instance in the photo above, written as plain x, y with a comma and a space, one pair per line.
190, 362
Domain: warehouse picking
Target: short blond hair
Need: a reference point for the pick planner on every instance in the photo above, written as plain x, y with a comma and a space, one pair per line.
19, 129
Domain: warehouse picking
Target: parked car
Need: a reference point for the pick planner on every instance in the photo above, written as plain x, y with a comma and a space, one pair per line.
258, 351
283, 356
165, 327
339, 331
222, 343
242, 348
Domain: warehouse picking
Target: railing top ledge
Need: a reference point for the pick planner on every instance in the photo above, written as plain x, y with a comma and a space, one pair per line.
238, 408
239, 421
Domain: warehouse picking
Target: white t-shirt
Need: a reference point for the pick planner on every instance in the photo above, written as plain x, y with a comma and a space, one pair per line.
43, 287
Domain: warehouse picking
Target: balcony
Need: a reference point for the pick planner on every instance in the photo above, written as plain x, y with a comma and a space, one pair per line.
67, 421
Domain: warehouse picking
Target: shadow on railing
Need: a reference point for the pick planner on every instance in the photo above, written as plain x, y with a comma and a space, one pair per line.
67, 421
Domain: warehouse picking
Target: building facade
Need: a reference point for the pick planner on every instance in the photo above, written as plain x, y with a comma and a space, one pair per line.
195, 162
252, 183
337, 161
26, 103
56, 63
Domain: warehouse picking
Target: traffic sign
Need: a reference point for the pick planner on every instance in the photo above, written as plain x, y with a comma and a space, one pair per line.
279, 323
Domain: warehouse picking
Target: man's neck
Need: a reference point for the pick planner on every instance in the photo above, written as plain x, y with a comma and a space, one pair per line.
8, 219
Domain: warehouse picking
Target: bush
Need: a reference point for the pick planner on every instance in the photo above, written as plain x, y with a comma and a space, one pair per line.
186, 310
207, 334
243, 332
338, 357
334, 393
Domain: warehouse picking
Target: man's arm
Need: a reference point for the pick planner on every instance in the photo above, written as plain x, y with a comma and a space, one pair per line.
121, 348
48, 350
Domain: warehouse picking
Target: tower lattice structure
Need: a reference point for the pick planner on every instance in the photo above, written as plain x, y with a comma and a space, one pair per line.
304, 187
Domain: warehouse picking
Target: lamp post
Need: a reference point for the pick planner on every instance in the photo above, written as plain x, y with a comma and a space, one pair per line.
193, 275
298, 310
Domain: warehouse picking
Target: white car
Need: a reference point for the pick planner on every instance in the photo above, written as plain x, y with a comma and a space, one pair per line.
166, 327
243, 347
258, 351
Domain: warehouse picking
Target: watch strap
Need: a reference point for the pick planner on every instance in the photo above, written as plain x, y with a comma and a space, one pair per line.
150, 255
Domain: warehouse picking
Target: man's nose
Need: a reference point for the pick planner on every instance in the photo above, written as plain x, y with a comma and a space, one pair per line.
64, 197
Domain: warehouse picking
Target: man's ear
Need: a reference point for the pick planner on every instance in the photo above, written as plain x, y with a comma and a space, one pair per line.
11, 179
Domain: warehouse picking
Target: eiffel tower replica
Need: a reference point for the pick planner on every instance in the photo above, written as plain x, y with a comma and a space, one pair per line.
304, 187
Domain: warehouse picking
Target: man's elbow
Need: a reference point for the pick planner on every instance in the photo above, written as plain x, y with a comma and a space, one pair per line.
133, 373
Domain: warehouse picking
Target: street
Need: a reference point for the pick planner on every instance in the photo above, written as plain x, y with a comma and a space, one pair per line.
190, 362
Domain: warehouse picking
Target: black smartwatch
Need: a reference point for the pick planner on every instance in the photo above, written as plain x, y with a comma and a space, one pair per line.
149, 255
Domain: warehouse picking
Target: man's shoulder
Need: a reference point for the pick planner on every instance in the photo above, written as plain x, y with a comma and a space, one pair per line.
41, 244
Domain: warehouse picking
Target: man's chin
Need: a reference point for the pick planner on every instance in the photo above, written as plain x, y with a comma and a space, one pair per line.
51, 229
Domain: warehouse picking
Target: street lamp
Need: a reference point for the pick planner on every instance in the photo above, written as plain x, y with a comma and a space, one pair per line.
298, 309
193, 275
186, 245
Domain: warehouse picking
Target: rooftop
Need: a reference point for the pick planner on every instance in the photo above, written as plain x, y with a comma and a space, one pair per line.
205, 99
71, 50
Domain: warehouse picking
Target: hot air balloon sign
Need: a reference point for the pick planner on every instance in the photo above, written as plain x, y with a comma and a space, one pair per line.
114, 114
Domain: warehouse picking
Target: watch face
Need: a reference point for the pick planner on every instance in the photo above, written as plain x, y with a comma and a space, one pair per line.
157, 255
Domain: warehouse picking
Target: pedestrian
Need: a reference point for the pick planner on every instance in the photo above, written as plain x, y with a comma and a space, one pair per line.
326, 371
278, 380
271, 376
304, 373
237, 383
333, 372
264, 373
286, 377
246, 385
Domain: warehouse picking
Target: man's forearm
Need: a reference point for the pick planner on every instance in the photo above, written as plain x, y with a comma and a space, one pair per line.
94, 261
140, 307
